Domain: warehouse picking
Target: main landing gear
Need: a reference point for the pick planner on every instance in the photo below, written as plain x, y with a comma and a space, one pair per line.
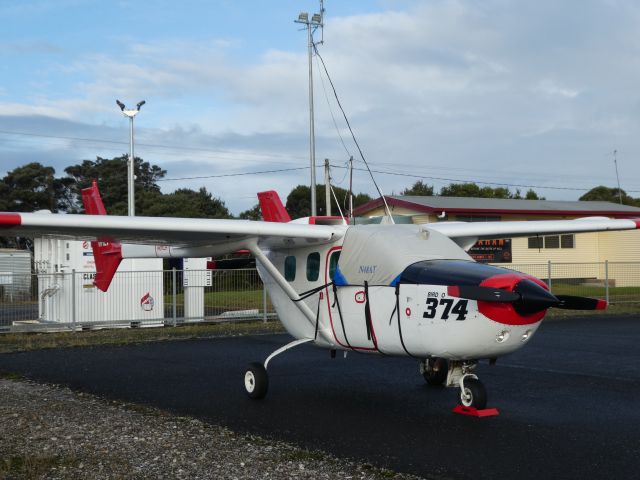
256, 379
455, 373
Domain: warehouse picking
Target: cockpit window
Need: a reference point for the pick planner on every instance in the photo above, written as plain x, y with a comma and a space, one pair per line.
313, 266
290, 268
333, 264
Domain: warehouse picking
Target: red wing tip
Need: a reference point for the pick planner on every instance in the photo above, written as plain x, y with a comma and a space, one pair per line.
10, 219
636, 221
453, 291
601, 305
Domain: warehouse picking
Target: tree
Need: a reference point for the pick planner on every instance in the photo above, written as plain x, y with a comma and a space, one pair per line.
111, 175
531, 195
33, 187
253, 213
606, 194
473, 190
299, 201
183, 202
418, 189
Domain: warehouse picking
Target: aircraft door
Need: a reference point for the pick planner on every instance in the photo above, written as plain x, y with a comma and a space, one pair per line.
346, 316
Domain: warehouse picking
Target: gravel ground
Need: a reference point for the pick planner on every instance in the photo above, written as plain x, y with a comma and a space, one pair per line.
52, 432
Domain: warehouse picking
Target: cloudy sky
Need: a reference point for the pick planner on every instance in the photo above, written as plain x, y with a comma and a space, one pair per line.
505, 92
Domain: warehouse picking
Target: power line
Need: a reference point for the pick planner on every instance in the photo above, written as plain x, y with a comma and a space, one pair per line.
410, 175
383, 172
232, 174
152, 145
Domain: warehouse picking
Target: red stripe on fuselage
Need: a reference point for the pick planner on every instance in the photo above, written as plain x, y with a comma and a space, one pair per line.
8, 220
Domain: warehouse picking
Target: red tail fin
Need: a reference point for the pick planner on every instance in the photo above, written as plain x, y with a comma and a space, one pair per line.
272, 208
106, 254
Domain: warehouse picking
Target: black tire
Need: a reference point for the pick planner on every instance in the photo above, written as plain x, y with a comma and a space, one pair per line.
436, 375
256, 381
474, 394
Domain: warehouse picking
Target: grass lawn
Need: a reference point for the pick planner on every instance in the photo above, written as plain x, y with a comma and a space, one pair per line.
16, 342
244, 299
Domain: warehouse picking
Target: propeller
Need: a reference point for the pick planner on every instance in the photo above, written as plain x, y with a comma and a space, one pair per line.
485, 294
527, 297
570, 302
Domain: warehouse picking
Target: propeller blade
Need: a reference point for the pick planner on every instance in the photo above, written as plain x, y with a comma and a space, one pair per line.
485, 294
570, 302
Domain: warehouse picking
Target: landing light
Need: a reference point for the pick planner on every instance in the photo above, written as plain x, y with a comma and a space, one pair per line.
526, 335
502, 336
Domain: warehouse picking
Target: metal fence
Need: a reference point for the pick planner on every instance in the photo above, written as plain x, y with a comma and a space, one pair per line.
616, 282
70, 300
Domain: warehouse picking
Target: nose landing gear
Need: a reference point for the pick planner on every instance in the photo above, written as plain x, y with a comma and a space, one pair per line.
472, 392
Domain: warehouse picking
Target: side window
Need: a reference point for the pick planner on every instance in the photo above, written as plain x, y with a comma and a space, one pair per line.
290, 268
333, 264
313, 266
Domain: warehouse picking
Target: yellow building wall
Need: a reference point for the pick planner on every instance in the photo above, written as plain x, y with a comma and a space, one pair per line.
620, 249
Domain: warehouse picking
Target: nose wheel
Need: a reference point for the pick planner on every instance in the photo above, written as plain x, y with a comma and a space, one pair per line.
472, 392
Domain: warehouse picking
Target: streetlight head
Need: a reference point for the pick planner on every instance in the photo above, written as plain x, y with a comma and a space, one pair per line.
120, 104
316, 18
140, 104
303, 17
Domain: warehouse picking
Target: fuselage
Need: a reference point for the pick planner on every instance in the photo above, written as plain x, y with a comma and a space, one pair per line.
385, 289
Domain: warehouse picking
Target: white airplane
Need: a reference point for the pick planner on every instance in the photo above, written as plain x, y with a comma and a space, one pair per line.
397, 290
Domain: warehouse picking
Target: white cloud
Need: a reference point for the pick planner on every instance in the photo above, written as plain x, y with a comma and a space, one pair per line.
518, 92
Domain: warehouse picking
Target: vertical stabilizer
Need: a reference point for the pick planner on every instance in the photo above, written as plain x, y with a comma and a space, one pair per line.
106, 254
272, 208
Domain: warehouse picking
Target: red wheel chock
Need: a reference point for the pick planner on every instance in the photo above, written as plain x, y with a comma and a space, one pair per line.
474, 412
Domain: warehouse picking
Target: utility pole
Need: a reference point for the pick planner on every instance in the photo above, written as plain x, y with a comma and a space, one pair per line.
131, 161
312, 25
615, 162
351, 187
327, 187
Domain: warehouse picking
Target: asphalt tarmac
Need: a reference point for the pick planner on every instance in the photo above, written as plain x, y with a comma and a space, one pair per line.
568, 401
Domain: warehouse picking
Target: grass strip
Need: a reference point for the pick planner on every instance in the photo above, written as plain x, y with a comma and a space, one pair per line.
19, 342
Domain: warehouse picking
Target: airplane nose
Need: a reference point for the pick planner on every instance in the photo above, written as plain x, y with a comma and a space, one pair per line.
533, 298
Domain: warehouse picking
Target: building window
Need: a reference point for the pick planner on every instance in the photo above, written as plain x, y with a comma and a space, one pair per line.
567, 241
290, 268
553, 241
333, 264
313, 266
536, 242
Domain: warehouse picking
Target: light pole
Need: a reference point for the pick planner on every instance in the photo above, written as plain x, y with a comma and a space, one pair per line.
312, 25
131, 162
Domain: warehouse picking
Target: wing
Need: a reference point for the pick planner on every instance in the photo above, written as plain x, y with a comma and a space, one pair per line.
466, 234
191, 232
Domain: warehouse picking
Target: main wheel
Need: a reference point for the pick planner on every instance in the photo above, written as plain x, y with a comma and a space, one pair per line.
256, 381
474, 394
437, 370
